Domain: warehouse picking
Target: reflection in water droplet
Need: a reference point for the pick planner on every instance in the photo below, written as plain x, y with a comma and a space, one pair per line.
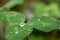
22, 24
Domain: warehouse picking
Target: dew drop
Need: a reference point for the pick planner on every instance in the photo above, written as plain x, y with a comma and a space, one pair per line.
38, 19
22, 24
16, 32
29, 31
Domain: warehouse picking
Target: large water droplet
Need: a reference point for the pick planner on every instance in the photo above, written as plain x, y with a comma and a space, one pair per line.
22, 24
29, 31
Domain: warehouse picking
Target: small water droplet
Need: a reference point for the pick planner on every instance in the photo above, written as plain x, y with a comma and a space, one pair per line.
22, 24
16, 32
38, 19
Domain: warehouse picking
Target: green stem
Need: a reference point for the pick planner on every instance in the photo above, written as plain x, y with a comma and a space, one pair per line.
9, 5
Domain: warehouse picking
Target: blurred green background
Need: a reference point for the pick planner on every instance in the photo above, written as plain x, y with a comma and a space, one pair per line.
44, 25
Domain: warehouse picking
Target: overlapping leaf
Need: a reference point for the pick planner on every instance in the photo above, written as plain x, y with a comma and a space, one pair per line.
15, 29
11, 4
44, 23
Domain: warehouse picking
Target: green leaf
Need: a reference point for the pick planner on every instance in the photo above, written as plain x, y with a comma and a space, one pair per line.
11, 4
15, 26
44, 23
